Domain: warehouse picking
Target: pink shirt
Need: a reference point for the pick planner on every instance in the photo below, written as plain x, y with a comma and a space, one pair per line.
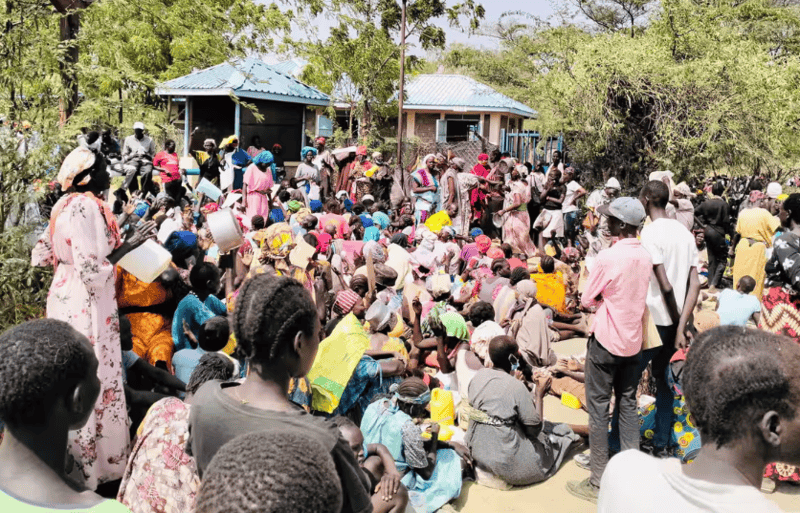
621, 275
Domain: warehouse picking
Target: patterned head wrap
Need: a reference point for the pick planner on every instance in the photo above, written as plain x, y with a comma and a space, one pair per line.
294, 206
483, 242
79, 160
423, 399
756, 196
361, 151
229, 140
475, 232
278, 242
483, 157
345, 301
495, 252
306, 150
376, 250
321, 140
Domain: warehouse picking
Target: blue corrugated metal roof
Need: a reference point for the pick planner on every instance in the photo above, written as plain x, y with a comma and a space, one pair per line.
457, 93
246, 78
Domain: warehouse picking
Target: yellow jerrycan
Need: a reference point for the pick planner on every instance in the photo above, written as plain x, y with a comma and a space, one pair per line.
443, 410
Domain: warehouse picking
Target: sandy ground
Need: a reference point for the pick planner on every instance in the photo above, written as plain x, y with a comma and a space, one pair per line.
552, 495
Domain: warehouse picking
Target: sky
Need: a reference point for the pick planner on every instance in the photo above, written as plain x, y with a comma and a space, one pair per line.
494, 10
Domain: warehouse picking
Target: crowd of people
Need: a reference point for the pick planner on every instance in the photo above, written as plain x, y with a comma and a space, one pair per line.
372, 341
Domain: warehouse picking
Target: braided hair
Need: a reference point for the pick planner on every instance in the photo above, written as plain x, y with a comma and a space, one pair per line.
270, 311
271, 471
734, 375
40, 360
518, 274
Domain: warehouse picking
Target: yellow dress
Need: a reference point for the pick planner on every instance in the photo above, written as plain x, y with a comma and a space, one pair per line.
757, 228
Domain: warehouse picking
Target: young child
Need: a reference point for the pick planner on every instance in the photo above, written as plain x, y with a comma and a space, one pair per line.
736, 307
388, 494
199, 306
214, 336
48, 386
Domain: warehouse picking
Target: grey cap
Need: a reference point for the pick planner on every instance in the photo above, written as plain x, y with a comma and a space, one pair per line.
626, 209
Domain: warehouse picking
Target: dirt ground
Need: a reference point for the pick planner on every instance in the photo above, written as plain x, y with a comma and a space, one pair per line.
551, 496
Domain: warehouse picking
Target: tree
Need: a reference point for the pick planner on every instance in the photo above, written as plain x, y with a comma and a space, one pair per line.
615, 15
358, 62
706, 86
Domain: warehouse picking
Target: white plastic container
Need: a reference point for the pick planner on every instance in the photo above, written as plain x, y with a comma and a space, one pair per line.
225, 229
209, 189
147, 262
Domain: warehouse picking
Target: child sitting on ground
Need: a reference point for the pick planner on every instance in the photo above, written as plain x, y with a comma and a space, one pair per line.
48, 386
388, 494
199, 306
736, 307
213, 338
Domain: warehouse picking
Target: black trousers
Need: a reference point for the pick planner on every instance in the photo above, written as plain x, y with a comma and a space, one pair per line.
717, 254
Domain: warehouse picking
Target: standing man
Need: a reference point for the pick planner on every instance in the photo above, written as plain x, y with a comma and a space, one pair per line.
138, 152
715, 218
674, 286
328, 169
570, 210
618, 283
599, 236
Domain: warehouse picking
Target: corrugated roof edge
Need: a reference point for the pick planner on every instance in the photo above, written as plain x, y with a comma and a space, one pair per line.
514, 106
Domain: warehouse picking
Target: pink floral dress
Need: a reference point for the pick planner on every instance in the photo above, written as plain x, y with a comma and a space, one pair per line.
83, 294
161, 477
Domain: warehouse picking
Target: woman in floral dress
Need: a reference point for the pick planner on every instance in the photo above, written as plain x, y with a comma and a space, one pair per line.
83, 244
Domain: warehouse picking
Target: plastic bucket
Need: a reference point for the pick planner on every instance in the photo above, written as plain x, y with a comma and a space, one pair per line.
147, 262
209, 189
225, 229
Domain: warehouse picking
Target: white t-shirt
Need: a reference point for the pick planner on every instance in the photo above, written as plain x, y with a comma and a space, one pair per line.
634, 482
671, 244
569, 197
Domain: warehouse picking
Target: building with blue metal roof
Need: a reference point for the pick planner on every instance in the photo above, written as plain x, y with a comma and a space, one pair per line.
452, 108
279, 97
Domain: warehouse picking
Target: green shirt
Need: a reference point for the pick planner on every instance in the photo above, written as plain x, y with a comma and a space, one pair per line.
11, 504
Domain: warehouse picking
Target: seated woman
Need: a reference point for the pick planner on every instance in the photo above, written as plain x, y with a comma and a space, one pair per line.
153, 483
481, 316
507, 434
432, 470
42, 397
377, 370
149, 307
552, 294
388, 494
277, 327
529, 327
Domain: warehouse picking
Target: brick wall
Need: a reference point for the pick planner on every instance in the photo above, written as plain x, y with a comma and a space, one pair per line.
426, 127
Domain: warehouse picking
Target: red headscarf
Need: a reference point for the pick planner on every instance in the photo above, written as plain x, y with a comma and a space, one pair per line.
362, 150
483, 242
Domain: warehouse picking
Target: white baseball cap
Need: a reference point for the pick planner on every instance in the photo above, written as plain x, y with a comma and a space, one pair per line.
138, 125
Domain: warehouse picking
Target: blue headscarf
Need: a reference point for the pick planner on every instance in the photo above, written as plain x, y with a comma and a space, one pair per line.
181, 243
276, 215
348, 205
371, 233
366, 221
315, 205
306, 150
268, 159
475, 232
381, 220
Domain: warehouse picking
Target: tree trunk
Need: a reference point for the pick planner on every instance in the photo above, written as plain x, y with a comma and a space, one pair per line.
69, 25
